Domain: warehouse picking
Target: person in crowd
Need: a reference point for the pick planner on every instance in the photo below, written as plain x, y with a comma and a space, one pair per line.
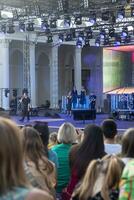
69, 104
74, 95
101, 180
13, 182
127, 182
92, 147
128, 145
52, 140
109, 128
66, 137
43, 129
25, 106
83, 97
39, 170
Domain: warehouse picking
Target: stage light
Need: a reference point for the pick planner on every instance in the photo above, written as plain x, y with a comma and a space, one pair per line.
67, 21
132, 11
3, 28
78, 19
86, 42
30, 26
117, 41
49, 39
73, 33
127, 39
85, 3
105, 15
61, 38
124, 31
102, 33
53, 23
11, 29
79, 43
14, 92
92, 18
7, 91
81, 36
106, 40
68, 37
44, 25
121, 13
22, 27
111, 32
97, 42
89, 33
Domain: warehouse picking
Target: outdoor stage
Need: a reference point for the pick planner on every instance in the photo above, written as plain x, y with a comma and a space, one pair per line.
54, 123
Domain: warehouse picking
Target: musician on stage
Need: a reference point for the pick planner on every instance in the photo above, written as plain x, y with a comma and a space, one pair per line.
25, 106
69, 104
74, 95
83, 97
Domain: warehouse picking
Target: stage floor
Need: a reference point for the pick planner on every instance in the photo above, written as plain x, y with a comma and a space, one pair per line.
54, 123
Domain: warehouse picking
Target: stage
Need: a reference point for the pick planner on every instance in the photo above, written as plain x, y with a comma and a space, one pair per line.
54, 123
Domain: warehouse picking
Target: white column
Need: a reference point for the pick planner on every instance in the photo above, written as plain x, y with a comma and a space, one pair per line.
77, 69
4, 71
54, 77
32, 74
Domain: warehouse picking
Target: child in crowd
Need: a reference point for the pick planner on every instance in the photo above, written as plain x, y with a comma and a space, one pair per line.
52, 140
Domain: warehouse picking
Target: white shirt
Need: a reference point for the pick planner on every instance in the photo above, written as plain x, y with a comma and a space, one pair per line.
112, 148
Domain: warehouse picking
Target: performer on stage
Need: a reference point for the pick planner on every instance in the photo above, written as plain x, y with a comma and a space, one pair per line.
25, 106
92, 100
83, 97
74, 95
69, 104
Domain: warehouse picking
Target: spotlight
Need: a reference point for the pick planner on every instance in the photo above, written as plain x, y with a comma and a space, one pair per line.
30, 26
53, 23
97, 42
7, 91
127, 39
81, 36
111, 32
72, 31
89, 33
124, 31
44, 25
78, 19
61, 38
67, 21
132, 11
3, 28
11, 29
106, 40
79, 43
105, 15
68, 37
22, 27
102, 33
49, 39
92, 18
117, 40
14, 92
86, 42
121, 13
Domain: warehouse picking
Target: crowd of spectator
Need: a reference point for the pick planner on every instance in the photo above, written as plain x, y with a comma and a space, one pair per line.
94, 164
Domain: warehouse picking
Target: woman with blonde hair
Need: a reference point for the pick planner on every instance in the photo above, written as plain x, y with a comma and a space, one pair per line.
13, 182
101, 180
66, 137
39, 170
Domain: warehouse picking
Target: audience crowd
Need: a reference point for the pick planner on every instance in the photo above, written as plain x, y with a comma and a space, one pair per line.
94, 164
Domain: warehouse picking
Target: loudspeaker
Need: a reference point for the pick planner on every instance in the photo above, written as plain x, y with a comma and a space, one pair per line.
51, 113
